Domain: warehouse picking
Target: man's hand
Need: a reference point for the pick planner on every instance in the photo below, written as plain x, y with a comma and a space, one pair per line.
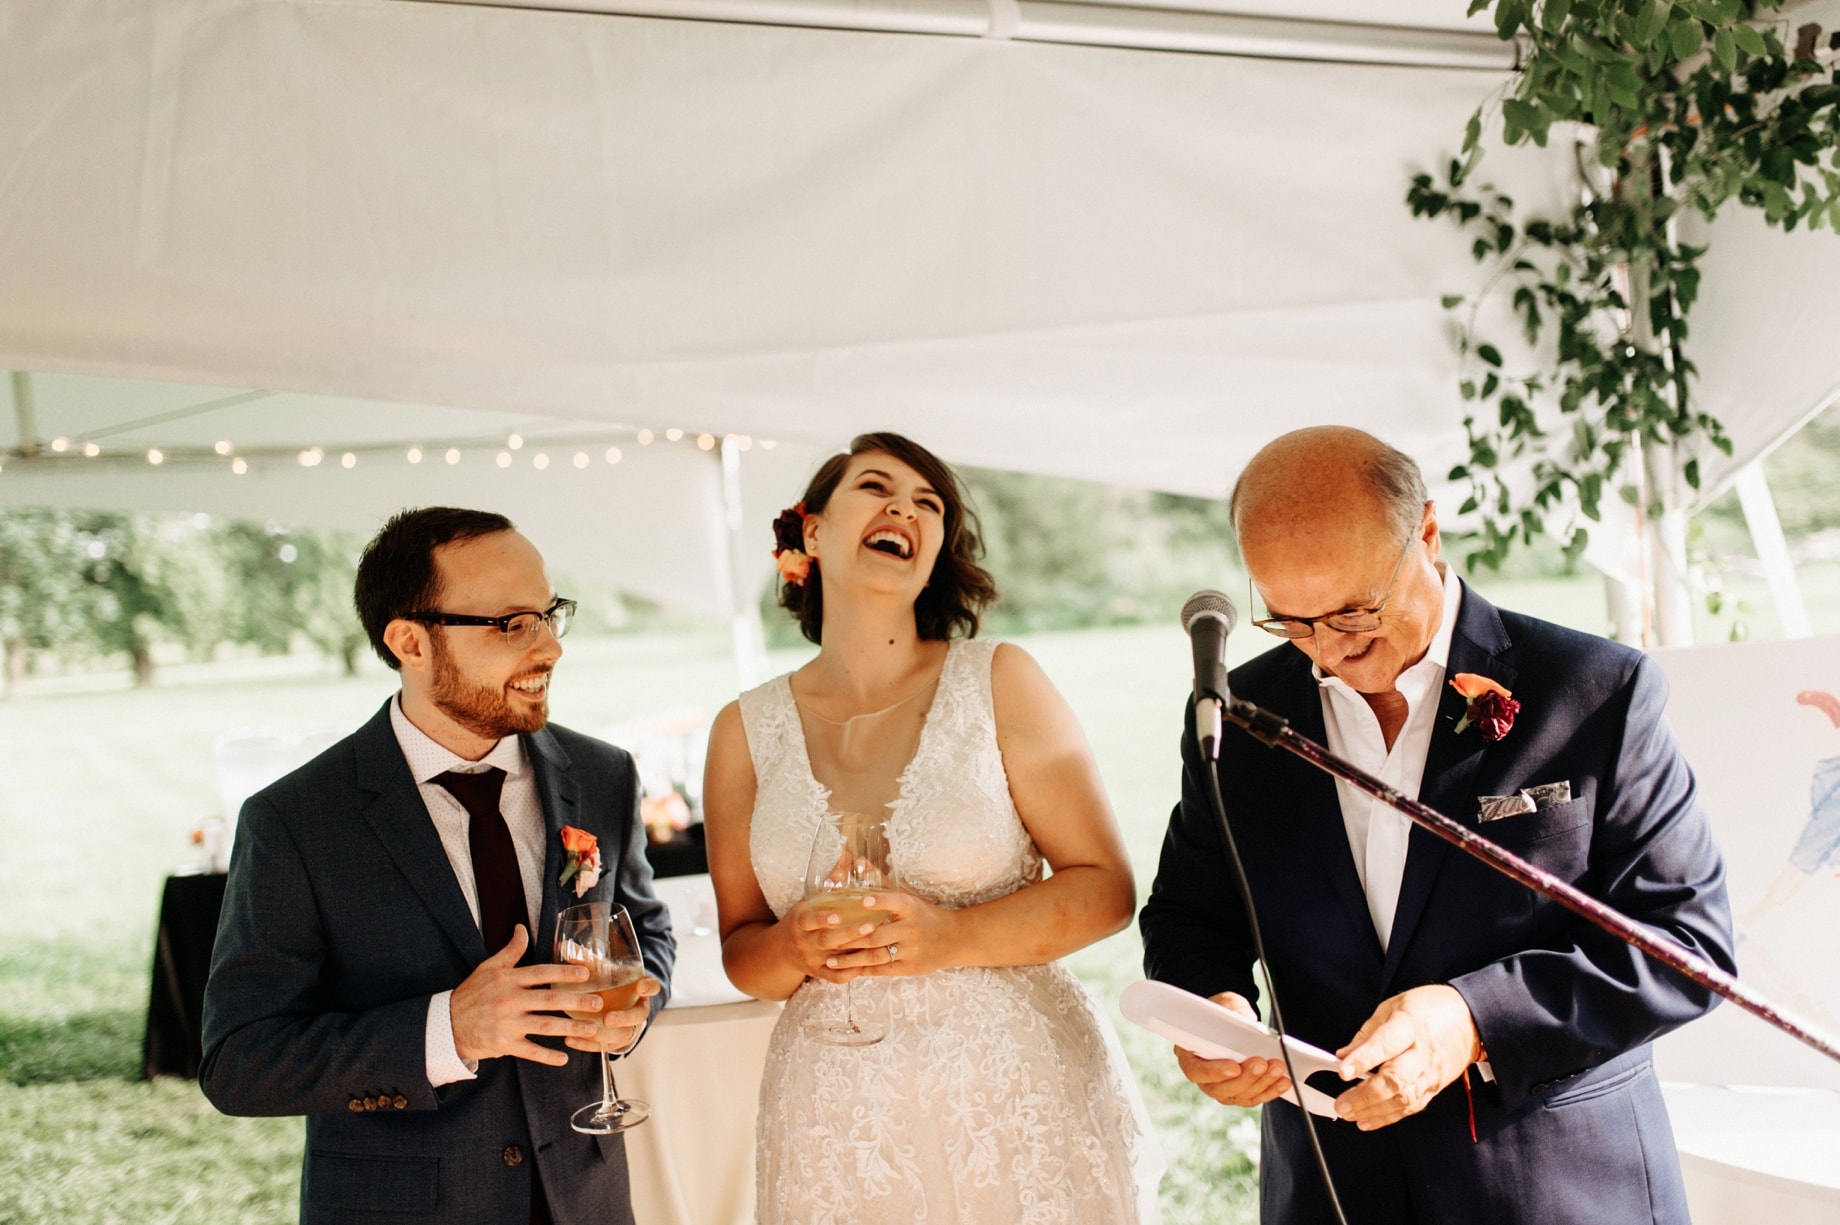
1415, 1043
617, 1031
501, 1004
1232, 1082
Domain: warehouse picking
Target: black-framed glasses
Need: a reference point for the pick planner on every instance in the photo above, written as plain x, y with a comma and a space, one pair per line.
1343, 621
521, 630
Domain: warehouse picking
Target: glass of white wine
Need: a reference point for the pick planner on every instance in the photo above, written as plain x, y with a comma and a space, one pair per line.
849, 860
599, 935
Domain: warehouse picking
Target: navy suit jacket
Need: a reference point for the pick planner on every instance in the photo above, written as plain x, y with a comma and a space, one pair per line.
1574, 1129
341, 918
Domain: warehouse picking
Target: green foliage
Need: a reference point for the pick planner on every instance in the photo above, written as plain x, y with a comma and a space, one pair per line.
79, 583
1070, 554
147, 579
1684, 105
294, 582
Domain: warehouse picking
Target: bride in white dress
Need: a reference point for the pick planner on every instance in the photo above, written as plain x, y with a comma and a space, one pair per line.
998, 1095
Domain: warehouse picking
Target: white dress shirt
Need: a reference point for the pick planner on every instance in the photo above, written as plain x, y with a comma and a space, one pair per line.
523, 813
1377, 834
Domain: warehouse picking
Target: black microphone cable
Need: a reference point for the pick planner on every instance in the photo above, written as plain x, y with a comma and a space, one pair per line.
1207, 737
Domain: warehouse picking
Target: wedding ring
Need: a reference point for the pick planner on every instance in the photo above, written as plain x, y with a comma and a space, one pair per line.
894, 950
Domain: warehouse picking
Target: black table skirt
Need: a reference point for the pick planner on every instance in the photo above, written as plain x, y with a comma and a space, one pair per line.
181, 963
189, 908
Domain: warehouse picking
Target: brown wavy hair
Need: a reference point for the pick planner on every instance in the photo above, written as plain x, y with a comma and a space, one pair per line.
959, 589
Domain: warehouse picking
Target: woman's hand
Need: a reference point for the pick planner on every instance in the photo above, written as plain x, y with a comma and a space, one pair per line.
817, 937
918, 938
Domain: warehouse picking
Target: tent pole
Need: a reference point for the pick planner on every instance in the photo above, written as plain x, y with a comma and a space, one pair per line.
749, 637
25, 409
1772, 549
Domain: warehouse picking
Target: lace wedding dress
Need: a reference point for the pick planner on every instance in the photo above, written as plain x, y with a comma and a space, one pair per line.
999, 1095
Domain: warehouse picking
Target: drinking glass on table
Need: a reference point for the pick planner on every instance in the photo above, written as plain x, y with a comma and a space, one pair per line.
599, 935
849, 860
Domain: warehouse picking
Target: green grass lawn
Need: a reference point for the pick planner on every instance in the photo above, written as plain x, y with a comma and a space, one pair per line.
102, 789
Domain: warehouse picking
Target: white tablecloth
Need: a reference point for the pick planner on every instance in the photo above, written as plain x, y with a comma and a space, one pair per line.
692, 1162
1754, 1155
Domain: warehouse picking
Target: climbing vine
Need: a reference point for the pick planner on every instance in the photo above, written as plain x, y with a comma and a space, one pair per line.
1673, 105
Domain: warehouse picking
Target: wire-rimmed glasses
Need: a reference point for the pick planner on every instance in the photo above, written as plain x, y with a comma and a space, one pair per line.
1342, 621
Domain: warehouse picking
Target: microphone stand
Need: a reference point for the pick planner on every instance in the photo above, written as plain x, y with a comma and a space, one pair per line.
1275, 731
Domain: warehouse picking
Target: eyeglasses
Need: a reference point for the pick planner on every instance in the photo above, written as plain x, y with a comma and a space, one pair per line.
521, 630
1343, 621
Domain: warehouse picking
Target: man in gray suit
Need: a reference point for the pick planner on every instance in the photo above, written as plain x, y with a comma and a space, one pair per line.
381, 964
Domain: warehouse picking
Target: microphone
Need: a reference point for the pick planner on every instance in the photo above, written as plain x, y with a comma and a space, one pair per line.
1208, 617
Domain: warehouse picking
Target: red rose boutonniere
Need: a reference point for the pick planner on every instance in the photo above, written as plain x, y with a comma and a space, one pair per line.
1491, 707
581, 860
789, 545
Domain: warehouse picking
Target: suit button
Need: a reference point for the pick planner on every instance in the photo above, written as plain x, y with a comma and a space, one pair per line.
513, 1155
400, 1102
355, 1105
370, 1103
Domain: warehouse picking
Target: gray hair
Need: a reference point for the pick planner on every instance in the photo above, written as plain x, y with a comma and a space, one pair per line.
1391, 476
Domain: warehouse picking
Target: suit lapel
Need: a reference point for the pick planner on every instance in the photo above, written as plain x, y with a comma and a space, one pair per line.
560, 795
396, 813
1480, 645
1319, 809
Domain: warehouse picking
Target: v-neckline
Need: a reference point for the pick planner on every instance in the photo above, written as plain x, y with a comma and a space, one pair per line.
899, 802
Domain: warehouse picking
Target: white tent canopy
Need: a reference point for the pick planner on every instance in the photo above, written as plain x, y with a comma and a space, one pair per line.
1118, 264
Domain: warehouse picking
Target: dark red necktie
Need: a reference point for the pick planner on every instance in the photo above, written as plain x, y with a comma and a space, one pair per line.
496, 879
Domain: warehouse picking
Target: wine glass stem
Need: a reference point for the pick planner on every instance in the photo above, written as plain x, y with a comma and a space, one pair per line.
849, 1003
606, 1083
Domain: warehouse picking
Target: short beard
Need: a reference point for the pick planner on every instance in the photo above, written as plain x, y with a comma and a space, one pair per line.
480, 709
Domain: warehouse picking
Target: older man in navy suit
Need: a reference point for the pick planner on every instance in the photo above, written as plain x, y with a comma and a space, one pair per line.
1507, 1040
381, 964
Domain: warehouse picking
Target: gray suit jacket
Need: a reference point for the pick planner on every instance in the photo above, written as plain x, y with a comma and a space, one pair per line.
342, 917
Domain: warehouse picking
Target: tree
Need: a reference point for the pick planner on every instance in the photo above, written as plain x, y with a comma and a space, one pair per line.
148, 580
42, 595
286, 582
1679, 104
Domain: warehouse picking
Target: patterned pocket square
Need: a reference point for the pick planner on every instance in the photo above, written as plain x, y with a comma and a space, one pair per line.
1527, 799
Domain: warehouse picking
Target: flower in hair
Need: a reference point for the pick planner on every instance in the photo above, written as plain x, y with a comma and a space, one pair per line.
1491, 708
789, 545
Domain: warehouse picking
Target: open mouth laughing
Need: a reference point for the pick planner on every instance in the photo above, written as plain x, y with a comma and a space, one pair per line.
891, 542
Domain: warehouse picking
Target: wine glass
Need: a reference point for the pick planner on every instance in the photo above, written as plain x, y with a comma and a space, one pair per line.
599, 935
849, 858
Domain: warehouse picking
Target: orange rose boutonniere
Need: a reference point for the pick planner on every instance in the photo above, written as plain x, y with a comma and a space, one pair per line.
581, 860
1491, 708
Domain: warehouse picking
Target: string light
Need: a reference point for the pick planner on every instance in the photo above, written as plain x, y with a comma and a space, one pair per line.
453, 455
766, 444
348, 460
742, 442
540, 461
415, 455
581, 459
515, 441
222, 446
239, 465
310, 457
705, 442
155, 456
645, 438
504, 459
674, 434
60, 444
613, 455
91, 450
